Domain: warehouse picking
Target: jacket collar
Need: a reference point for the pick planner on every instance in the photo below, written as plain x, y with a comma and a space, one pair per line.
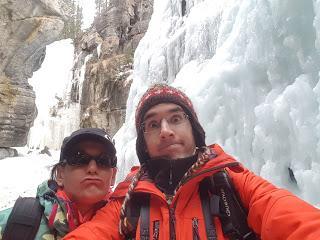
167, 173
61, 213
218, 159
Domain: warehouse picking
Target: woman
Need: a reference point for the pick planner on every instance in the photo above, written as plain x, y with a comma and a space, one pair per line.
79, 185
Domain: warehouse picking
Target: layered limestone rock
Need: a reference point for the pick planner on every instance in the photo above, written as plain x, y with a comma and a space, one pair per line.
105, 92
26, 28
110, 45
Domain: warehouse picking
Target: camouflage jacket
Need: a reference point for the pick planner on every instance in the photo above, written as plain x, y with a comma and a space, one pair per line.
58, 216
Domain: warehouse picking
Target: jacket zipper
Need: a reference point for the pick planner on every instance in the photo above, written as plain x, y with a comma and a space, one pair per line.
172, 220
195, 229
156, 225
170, 174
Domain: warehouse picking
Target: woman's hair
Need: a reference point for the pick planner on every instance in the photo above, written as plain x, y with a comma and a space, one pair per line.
124, 226
54, 170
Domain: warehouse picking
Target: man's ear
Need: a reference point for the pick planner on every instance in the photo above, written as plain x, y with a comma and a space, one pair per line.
60, 176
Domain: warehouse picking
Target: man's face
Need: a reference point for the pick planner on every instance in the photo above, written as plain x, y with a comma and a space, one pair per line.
168, 132
87, 183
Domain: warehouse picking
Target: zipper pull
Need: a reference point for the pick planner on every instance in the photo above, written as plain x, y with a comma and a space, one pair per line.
169, 199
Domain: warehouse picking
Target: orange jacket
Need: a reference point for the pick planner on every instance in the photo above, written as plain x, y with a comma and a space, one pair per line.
273, 213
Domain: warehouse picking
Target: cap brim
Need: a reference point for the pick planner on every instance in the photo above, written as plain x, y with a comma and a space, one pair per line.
89, 137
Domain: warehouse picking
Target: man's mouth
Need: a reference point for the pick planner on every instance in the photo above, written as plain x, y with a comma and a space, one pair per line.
169, 145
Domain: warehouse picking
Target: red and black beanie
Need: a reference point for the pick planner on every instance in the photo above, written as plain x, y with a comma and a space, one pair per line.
162, 93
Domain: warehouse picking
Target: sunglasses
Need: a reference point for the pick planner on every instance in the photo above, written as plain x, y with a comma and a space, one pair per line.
79, 158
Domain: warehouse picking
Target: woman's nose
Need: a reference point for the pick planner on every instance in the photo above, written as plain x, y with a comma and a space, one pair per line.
92, 166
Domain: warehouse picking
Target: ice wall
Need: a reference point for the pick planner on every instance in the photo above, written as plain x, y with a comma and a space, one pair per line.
252, 70
52, 84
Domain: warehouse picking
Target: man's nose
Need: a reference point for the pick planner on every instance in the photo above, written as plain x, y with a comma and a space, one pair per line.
92, 166
165, 129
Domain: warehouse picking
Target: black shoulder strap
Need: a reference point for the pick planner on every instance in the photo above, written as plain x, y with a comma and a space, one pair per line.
205, 202
225, 204
139, 209
145, 219
24, 220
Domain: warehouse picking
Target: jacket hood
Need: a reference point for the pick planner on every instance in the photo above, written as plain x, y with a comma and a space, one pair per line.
55, 208
61, 213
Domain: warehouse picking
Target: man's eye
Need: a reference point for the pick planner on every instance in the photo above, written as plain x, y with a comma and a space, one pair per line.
176, 119
153, 125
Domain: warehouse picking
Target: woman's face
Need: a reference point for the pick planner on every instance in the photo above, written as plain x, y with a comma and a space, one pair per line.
87, 183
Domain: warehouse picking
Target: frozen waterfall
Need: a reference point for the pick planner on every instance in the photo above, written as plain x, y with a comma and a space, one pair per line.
252, 70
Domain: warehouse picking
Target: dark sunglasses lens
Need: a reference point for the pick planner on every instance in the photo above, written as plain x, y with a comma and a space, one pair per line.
105, 161
78, 158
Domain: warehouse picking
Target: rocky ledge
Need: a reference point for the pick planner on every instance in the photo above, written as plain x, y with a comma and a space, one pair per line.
26, 28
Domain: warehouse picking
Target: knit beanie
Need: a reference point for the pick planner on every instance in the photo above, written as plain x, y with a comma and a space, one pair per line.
162, 93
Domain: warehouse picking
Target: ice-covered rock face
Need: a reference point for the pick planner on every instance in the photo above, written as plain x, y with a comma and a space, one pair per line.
97, 91
252, 70
26, 28
117, 32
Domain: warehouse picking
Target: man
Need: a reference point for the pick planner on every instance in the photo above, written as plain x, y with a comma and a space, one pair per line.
175, 161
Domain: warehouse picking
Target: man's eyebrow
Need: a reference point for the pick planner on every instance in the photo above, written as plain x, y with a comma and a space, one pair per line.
149, 115
154, 113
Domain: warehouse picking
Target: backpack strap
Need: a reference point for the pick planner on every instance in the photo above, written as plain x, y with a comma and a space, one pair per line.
24, 220
205, 203
139, 209
225, 204
145, 219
